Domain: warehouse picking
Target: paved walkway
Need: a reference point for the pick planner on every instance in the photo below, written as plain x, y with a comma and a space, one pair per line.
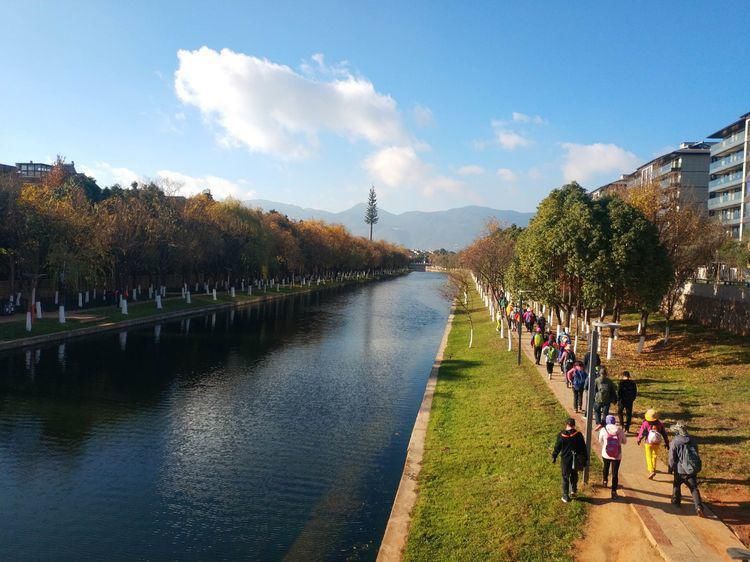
677, 533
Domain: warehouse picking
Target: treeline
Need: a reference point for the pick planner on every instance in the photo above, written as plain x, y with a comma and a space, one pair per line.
590, 259
79, 236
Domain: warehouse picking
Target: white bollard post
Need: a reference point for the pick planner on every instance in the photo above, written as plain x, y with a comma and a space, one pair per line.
233, 294
28, 320
57, 297
124, 305
61, 314
214, 294
187, 296
38, 310
250, 290
182, 292
80, 300
86, 297
135, 294
158, 302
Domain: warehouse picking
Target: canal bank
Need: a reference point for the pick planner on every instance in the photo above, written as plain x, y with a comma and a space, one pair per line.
203, 305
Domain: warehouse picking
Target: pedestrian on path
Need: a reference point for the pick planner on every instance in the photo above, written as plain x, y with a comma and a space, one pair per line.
685, 464
626, 394
567, 358
612, 438
571, 448
537, 341
550, 357
578, 379
654, 433
605, 393
541, 321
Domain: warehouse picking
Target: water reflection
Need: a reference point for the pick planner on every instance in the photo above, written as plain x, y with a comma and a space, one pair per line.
276, 431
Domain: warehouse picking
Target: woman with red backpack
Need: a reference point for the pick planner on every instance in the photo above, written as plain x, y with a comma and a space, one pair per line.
655, 434
612, 439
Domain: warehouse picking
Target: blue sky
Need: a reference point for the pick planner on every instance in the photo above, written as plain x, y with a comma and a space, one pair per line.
437, 104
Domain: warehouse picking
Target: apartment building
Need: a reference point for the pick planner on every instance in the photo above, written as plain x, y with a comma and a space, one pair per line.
727, 188
685, 169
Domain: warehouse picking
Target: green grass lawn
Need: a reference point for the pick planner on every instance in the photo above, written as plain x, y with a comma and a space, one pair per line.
488, 489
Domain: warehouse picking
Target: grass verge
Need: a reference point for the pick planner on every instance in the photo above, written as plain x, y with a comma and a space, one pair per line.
488, 489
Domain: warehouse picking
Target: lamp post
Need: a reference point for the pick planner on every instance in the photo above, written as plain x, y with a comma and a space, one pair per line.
518, 327
593, 344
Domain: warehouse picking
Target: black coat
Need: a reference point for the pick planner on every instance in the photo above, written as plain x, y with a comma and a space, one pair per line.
627, 391
568, 442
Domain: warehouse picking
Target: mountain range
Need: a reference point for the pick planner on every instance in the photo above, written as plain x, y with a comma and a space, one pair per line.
453, 229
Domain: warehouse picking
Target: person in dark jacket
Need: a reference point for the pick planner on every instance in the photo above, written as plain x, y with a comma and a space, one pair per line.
605, 394
626, 395
571, 448
587, 362
685, 464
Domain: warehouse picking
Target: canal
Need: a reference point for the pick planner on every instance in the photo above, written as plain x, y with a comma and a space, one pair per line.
267, 433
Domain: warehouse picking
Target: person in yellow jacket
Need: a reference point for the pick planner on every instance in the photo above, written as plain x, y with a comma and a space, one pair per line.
655, 434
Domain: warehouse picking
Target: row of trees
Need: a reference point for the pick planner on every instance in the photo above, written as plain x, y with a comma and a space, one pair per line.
582, 257
70, 230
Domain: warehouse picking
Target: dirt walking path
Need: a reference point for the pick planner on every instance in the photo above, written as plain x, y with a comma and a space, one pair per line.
677, 532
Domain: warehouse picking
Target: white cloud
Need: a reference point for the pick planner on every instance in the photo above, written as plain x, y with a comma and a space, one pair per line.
523, 118
423, 116
470, 170
510, 140
106, 174
401, 167
583, 162
190, 185
506, 174
272, 109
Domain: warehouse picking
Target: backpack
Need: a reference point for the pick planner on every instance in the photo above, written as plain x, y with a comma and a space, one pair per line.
612, 447
654, 436
551, 354
570, 358
689, 461
604, 393
538, 340
579, 379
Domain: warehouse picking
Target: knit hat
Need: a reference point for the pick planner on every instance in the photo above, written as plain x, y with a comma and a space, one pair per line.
679, 428
610, 420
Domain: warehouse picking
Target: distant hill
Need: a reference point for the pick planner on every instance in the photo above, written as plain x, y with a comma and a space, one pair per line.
453, 229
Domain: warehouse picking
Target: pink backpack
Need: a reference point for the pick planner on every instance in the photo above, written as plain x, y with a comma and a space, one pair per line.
613, 446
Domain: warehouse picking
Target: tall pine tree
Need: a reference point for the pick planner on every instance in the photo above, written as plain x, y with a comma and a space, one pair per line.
371, 214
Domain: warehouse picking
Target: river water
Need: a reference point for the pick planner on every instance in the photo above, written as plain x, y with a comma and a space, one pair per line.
273, 432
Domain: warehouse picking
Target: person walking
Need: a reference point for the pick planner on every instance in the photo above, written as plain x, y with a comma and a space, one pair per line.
541, 321
605, 393
567, 358
578, 379
626, 394
612, 438
550, 356
587, 361
685, 464
537, 341
571, 448
653, 432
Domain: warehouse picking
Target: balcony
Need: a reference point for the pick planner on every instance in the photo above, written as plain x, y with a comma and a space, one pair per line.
728, 143
734, 159
729, 199
732, 221
728, 180
668, 169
